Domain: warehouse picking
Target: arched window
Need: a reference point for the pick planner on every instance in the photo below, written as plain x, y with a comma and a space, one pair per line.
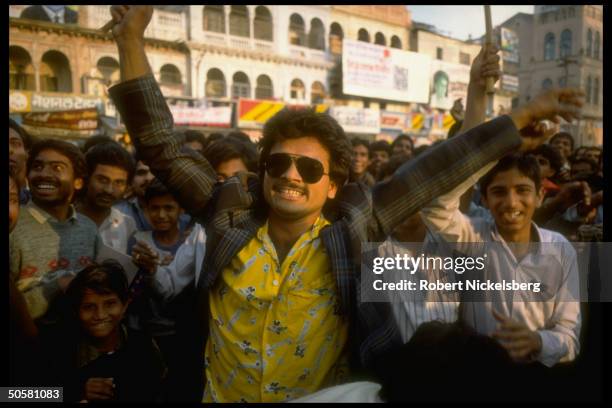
215, 83
380, 39
21, 70
109, 68
316, 38
55, 74
317, 93
241, 87
565, 45
589, 47
214, 19
335, 38
547, 84
588, 89
363, 35
297, 30
596, 91
396, 42
170, 75
239, 21
596, 46
262, 25
549, 47
298, 91
264, 88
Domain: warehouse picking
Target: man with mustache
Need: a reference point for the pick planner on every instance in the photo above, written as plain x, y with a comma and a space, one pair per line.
51, 241
110, 169
279, 291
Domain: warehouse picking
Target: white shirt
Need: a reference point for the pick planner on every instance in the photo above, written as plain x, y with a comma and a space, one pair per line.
117, 229
556, 320
185, 268
55, 16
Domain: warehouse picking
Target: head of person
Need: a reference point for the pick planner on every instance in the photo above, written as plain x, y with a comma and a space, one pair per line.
583, 168
402, 145
20, 143
305, 158
98, 299
240, 136
512, 191
213, 137
13, 201
231, 156
593, 153
445, 353
142, 177
110, 170
549, 160
94, 141
195, 140
441, 84
361, 156
161, 207
380, 152
564, 143
56, 171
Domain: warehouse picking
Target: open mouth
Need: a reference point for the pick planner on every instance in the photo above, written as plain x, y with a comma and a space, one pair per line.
289, 193
512, 216
45, 187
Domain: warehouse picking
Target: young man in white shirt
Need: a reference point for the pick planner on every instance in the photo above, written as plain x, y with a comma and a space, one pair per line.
546, 331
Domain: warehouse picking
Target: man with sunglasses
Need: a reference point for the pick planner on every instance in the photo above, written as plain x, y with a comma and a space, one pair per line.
279, 290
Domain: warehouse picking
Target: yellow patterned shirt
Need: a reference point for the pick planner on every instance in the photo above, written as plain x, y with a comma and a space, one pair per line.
274, 335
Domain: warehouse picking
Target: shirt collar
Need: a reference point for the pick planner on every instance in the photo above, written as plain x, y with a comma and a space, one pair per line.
42, 216
535, 233
87, 352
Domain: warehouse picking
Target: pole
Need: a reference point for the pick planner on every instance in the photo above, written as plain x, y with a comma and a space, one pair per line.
490, 82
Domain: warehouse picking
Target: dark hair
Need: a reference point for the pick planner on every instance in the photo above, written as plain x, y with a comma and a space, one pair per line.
240, 136
292, 124
194, 136
156, 189
25, 136
551, 154
454, 129
111, 154
213, 137
565, 135
525, 163
357, 141
231, 148
73, 153
402, 136
103, 278
392, 165
452, 354
380, 145
94, 141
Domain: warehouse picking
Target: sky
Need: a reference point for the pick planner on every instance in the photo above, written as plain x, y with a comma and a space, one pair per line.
461, 21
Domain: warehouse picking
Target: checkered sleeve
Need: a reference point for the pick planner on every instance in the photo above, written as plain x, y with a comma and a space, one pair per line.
148, 120
439, 170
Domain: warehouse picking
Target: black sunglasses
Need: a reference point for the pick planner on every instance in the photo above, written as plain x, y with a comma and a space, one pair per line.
311, 170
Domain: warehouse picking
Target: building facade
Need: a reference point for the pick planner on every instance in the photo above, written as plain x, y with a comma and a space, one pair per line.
563, 46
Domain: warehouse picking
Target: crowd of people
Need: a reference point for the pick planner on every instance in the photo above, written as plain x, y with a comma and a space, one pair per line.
210, 268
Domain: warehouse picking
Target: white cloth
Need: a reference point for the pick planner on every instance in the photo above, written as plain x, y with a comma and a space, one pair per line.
56, 14
556, 320
185, 268
117, 229
362, 391
413, 308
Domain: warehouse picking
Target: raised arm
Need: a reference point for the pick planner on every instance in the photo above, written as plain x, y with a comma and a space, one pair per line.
148, 120
444, 167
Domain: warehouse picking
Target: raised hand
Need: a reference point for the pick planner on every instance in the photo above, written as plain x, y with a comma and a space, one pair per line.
130, 22
486, 64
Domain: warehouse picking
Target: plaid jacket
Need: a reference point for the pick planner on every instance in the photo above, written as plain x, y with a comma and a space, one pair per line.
232, 214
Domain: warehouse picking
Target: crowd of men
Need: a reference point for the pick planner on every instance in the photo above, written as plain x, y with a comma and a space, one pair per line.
244, 258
